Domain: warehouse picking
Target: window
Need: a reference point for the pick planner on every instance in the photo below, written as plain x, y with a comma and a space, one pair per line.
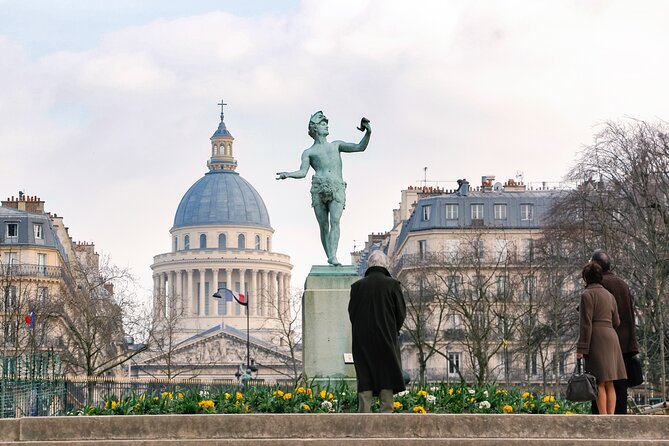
453, 362
422, 248
477, 211
501, 249
500, 211
241, 241
478, 248
11, 262
10, 334
41, 264
534, 365
37, 230
222, 303
9, 300
267, 247
455, 285
222, 242
529, 286
42, 294
186, 241
529, 250
257, 246
451, 212
12, 229
203, 241
526, 212
502, 286
559, 360
426, 212
175, 244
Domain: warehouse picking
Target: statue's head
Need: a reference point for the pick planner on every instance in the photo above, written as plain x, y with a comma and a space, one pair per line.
316, 119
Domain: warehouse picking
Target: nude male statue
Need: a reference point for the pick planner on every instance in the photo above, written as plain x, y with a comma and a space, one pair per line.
328, 189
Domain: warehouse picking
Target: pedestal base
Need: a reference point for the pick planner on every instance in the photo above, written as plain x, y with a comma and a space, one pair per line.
326, 328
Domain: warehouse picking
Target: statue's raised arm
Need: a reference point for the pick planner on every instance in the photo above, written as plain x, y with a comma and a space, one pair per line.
328, 189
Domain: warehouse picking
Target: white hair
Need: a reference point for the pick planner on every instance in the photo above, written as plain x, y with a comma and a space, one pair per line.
378, 258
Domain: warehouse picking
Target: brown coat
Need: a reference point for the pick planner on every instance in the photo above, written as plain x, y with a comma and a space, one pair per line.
598, 340
627, 328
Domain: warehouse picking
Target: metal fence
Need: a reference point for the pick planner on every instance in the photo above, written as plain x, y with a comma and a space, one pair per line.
58, 396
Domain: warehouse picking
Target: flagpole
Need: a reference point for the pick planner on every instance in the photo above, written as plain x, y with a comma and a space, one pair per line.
248, 348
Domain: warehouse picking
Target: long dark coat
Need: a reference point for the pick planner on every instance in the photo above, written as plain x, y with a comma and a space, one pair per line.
627, 328
598, 340
377, 311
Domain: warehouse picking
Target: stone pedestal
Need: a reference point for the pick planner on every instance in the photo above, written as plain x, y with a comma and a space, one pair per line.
326, 328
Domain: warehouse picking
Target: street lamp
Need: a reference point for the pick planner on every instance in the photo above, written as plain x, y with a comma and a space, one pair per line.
242, 300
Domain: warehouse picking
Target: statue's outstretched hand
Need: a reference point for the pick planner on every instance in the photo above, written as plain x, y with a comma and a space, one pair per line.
364, 125
282, 175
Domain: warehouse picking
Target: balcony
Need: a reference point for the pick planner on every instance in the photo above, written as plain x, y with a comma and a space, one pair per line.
30, 270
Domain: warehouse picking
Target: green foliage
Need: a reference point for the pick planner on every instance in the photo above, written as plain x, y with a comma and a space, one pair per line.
439, 398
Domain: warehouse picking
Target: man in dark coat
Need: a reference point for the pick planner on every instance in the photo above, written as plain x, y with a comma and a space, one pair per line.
377, 311
626, 330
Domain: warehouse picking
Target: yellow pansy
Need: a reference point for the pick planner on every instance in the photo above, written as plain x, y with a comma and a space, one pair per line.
287, 396
306, 407
419, 409
507, 409
422, 393
238, 396
300, 390
397, 405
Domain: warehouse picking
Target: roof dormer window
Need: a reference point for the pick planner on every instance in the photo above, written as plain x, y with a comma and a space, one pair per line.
12, 230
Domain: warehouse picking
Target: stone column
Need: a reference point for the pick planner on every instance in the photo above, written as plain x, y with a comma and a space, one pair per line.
279, 294
264, 292
228, 284
201, 295
178, 294
254, 298
190, 308
156, 295
271, 310
163, 293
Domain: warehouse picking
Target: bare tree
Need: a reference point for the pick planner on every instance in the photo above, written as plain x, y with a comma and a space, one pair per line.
426, 310
94, 311
621, 204
287, 328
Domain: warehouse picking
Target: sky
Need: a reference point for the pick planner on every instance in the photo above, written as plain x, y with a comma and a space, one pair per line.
106, 108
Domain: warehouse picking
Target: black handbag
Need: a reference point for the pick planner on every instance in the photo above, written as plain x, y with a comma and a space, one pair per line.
581, 386
634, 371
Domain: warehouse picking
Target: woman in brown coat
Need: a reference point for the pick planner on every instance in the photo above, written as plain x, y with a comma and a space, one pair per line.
598, 341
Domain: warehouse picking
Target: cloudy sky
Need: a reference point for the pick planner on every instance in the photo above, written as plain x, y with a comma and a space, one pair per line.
106, 108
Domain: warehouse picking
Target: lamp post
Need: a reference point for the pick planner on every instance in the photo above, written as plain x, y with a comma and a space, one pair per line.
245, 303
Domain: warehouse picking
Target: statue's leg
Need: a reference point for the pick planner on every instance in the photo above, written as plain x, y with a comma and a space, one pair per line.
321, 212
336, 209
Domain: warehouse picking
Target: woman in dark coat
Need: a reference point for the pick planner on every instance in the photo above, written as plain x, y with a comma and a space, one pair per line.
598, 340
377, 311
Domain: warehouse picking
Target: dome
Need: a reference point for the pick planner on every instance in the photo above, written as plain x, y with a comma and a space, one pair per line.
221, 197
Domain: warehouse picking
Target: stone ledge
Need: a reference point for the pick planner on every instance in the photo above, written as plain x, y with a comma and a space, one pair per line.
348, 428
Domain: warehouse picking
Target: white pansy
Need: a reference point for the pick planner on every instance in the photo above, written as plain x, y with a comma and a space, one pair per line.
471, 391
403, 392
431, 399
484, 405
326, 405
485, 393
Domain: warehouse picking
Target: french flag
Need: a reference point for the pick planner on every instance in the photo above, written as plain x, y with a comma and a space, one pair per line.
239, 297
30, 319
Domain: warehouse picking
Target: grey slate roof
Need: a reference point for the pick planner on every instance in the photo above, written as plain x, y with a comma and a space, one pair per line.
26, 234
221, 197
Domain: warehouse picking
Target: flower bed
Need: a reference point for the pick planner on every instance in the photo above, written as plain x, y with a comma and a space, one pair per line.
441, 398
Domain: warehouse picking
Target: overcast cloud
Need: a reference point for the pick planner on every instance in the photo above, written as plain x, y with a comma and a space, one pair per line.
109, 121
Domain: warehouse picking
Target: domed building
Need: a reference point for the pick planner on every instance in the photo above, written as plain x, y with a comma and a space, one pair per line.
221, 238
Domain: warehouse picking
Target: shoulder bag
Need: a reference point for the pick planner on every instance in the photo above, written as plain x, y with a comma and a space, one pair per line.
582, 386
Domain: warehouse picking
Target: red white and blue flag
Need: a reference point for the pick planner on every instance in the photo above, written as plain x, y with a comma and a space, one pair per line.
30, 319
239, 297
